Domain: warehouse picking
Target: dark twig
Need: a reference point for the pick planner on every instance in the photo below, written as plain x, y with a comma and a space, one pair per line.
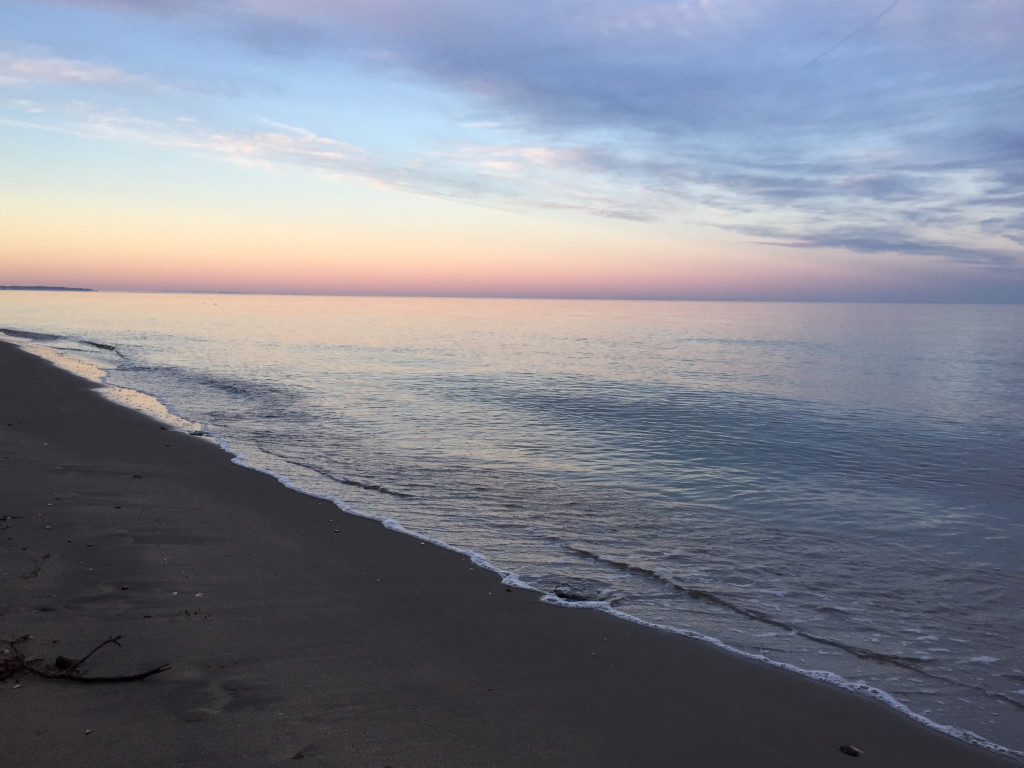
18, 664
85, 658
83, 679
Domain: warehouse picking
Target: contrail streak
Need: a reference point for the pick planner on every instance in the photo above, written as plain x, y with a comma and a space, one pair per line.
855, 32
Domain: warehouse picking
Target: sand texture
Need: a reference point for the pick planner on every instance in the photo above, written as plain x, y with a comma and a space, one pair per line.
297, 632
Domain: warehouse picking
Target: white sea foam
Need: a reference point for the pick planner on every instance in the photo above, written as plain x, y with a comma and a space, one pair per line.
68, 362
149, 405
508, 578
93, 371
819, 675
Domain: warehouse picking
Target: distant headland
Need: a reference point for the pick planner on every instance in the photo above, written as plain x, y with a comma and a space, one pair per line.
41, 288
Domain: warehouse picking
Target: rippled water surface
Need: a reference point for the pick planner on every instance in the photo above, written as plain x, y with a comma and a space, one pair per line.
836, 487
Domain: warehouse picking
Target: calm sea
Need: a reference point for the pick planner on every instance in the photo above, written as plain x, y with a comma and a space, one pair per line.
835, 487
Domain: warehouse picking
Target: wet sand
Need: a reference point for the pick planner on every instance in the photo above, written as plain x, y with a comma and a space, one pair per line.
297, 632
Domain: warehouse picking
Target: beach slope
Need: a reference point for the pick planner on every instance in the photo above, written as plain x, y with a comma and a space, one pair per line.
297, 632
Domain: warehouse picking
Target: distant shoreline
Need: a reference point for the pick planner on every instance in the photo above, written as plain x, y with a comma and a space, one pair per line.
41, 288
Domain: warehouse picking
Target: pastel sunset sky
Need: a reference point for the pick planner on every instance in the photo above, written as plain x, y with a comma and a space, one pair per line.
769, 149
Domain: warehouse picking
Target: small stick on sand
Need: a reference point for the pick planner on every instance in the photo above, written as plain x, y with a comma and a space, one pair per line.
19, 664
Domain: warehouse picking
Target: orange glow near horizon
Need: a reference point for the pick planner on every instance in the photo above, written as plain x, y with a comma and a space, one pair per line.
262, 263
254, 232
430, 248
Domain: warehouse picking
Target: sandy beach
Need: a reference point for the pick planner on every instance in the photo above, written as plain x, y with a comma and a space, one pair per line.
297, 632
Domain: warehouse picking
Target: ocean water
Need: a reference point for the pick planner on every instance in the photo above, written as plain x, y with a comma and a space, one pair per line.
834, 487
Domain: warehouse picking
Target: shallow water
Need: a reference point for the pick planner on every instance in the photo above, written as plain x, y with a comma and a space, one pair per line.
835, 487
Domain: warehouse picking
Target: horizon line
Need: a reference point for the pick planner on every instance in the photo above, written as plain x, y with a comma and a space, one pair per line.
510, 297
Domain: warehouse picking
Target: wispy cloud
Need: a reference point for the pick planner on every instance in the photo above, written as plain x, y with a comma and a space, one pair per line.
880, 240
870, 126
483, 176
19, 70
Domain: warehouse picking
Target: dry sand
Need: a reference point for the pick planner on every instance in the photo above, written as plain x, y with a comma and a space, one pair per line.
296, 632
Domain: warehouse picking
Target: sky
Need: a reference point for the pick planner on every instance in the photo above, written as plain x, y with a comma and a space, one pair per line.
864, 150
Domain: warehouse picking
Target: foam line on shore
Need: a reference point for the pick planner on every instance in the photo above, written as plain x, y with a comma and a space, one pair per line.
76, 365
819, 675
510, 578
64, 359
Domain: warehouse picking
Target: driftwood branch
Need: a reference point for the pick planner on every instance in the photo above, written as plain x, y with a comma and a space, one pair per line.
85, 658
84, 679
65, 669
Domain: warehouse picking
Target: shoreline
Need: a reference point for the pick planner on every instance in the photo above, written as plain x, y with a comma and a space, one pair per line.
512, 579
152, 407
297, 629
